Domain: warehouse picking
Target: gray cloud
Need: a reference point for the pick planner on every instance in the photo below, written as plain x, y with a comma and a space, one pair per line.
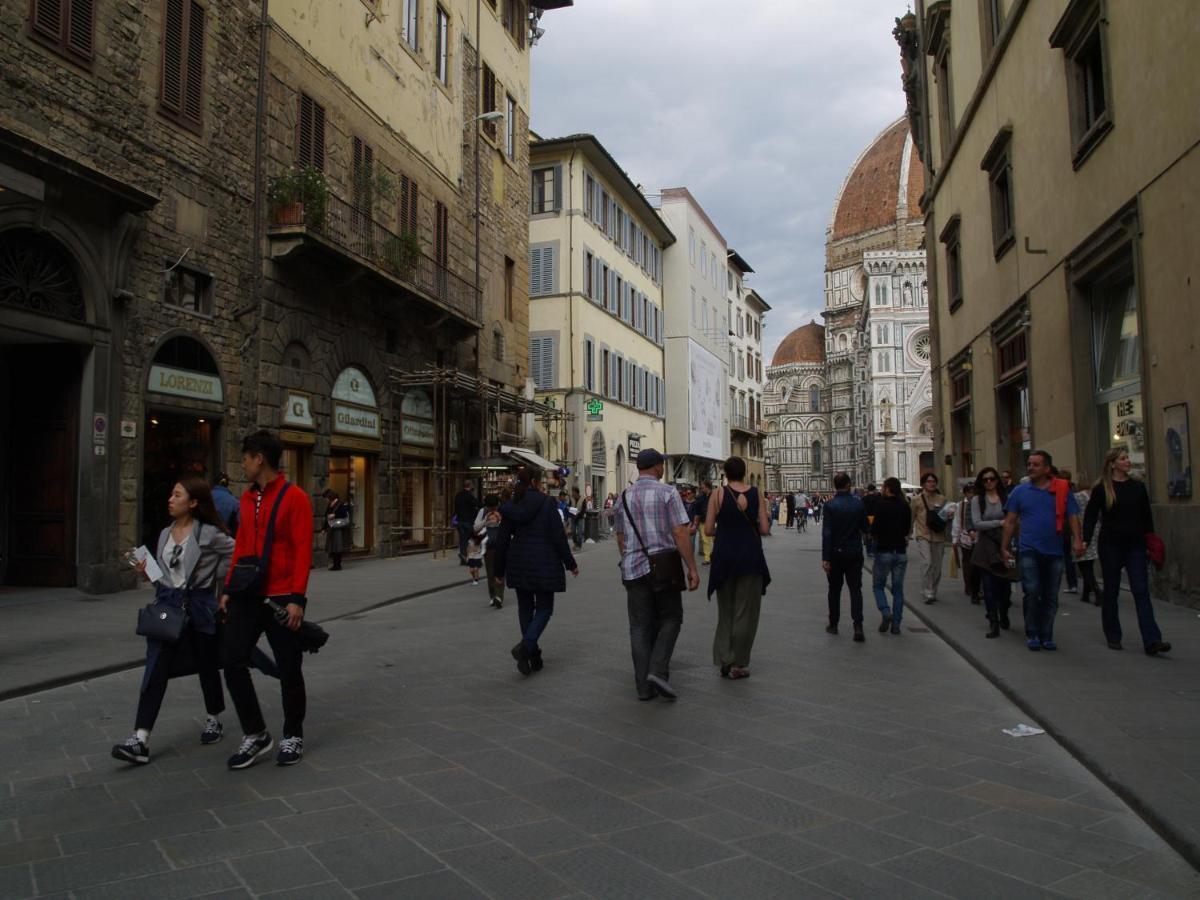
760, 107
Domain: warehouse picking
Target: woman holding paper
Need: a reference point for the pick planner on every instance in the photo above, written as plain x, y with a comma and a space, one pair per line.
193, 555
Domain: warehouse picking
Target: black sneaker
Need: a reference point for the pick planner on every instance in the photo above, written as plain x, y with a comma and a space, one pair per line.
213, 732
885, 624
251, 750
291, 749
831, 629
535, 661
859, 637
521, 655
132, 751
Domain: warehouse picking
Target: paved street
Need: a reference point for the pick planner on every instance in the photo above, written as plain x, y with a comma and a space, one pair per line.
436, 770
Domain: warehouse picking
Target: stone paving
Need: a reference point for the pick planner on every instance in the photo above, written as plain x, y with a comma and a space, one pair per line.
435, 769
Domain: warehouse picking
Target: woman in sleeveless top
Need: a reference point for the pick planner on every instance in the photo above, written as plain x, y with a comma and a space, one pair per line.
737, 517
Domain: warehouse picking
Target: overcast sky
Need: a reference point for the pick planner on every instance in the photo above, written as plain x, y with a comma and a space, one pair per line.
760, 107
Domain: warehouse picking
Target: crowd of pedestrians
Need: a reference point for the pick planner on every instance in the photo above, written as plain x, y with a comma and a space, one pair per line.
228, 571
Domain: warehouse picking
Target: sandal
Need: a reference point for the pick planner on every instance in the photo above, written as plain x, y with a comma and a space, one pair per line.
736, 672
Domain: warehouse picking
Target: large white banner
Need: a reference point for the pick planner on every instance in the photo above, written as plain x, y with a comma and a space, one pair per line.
706, 404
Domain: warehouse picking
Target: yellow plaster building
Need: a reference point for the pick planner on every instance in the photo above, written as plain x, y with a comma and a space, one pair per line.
1062, 149
596, 319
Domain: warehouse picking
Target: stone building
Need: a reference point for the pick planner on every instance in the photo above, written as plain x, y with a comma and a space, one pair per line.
796, 405
876, 397
189, 250
1063, 239
126, 270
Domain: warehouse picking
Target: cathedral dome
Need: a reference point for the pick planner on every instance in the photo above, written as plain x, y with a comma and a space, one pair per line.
884, 186
804, 345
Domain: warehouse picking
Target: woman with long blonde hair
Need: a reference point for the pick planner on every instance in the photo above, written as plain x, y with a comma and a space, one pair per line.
1121, 503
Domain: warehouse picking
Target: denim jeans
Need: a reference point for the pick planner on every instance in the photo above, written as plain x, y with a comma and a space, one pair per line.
1040, 578
654, 623
894, 564
1133, 560
847, 567
534, 610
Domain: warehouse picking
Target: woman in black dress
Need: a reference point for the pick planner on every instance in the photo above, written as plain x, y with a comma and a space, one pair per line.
532, 554
737, 517
337, 529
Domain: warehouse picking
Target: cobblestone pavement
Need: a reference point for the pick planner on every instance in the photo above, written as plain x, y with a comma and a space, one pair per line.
435, 769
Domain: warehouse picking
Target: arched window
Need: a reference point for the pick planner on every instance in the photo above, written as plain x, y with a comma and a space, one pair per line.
843, 343
816, 456
814, 399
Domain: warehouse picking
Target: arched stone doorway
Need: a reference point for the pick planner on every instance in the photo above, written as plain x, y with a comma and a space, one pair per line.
45, 343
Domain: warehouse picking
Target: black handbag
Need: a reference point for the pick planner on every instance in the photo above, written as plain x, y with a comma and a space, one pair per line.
933, 519
247, 581
666, 566
162, 621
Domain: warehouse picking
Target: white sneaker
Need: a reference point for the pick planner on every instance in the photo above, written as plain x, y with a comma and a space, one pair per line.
1071, 590
475, 582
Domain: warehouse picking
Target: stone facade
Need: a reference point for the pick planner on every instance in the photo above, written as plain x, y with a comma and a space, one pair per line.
124, 191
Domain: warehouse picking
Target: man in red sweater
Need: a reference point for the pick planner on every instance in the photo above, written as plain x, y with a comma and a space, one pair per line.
285, 583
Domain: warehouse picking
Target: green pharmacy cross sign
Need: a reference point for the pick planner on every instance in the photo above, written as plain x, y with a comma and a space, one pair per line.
594, 407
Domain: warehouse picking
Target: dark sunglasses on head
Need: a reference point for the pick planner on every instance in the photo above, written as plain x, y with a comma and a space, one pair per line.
175, 554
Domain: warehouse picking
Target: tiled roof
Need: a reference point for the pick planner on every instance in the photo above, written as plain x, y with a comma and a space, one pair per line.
871, 194
804, 345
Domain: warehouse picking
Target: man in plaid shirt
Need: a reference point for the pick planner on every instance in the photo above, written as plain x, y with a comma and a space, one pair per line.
654, 618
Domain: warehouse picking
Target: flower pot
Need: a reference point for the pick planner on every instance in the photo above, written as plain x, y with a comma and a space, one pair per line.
287, 214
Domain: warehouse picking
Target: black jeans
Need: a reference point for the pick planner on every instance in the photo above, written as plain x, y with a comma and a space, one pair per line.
654, 623
845, 567
1132, 558
997, 595
1087, 571
246, 622
195, 650
534, 609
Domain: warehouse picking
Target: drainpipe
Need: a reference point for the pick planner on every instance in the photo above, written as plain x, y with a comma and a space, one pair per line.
258, 256
570, 267
475, 124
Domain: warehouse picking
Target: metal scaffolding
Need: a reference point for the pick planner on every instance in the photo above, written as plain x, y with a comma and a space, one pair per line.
454, 396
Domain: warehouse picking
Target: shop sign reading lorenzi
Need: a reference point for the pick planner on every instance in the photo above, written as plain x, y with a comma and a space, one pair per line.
355, 420
185, 383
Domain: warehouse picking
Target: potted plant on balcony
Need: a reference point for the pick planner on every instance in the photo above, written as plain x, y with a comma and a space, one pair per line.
401, 253
298, 197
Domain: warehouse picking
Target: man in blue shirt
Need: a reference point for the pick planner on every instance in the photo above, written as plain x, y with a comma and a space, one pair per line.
842, 532
1041, 509
226, 503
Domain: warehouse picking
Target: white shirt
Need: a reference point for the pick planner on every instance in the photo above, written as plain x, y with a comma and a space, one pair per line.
174, 575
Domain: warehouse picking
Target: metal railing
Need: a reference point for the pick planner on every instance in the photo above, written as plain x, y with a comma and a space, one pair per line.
353, 230
745, 423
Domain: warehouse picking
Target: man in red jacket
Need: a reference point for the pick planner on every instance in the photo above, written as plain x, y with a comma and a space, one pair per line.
285, 583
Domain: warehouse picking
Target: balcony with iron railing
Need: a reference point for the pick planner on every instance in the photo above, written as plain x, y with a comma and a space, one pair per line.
342, 231
747, 425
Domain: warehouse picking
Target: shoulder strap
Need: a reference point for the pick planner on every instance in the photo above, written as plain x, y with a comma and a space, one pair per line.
633, 524
269, 541
196, 538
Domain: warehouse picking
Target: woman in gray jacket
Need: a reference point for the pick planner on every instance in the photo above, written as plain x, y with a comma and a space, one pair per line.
984, 523
194, 552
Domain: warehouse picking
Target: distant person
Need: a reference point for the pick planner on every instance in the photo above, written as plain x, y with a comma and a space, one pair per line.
929, 532
466, 507
226, 504
739, 572
271, 507
870, 501
487, 530
579, 504
963, 542
1086, 562
338, 527
532, 554
842, 553
889, 530
1006, 479
1042, 509
699, 512
193, 553
651, 523
1122, 503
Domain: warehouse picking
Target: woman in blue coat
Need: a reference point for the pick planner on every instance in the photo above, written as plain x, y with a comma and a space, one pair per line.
532, 555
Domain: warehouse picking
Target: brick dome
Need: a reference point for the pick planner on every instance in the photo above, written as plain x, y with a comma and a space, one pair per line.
873, 195
804, 345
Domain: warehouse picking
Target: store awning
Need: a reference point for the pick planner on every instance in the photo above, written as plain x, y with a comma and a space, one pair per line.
529, 458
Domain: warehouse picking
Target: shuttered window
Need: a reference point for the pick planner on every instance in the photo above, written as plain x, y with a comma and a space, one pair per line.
409, 194
543, 361
182, 88
67, 26
487, 98
310, 134
441, 238
543, 269
589, 364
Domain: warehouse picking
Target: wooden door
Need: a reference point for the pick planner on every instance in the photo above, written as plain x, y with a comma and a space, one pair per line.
42, 461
